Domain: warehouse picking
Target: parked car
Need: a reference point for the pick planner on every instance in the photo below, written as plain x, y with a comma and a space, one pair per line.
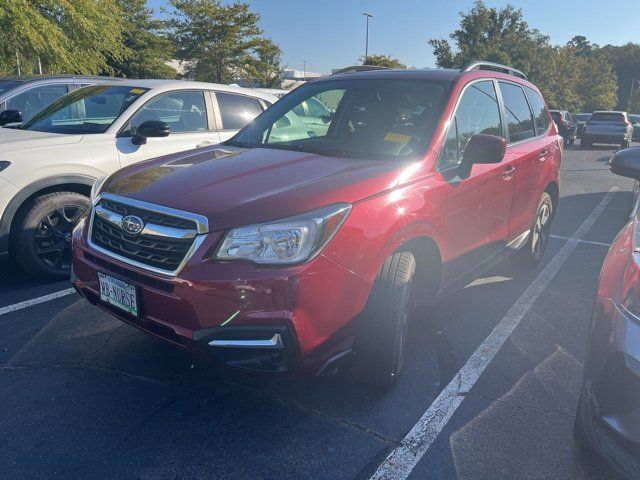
581, 121
608, 416
278, 92
21, 97
635, 122
48, 165
282, 255
567, 125
607, 128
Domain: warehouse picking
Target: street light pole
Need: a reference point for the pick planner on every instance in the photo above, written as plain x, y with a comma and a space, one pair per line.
304, 70
366, 42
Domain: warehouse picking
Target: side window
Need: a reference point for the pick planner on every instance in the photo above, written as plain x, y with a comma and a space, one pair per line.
36, 99
184, 111
540, 112
477, 112
518, 115
237, 110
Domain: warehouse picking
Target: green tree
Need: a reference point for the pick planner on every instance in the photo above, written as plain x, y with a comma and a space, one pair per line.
597, 85
498, 35
147, 49
223, 43
582, 46
72, 36
633, 105
382, 61
625, 60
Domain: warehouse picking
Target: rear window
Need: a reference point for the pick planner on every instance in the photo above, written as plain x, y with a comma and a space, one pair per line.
583, 117
607, 117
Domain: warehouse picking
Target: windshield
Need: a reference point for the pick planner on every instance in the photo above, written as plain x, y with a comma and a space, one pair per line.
634, 118
87, 110
8, 85
377, 118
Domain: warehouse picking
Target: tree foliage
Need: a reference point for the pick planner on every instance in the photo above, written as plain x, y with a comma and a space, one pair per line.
75, 36
577, 76
147, 48
382, 61
223, 43
625, 60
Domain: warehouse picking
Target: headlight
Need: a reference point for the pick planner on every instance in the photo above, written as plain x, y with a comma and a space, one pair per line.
291, 240
97, 186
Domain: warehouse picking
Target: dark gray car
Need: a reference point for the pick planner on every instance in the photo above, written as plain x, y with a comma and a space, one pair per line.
29, 95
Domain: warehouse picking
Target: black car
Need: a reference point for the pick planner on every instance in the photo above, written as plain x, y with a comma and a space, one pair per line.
581, 121
567, 126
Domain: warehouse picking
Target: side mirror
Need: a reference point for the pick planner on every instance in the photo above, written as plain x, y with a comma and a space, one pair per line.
10, 116
626, 163
150, 129
482, 148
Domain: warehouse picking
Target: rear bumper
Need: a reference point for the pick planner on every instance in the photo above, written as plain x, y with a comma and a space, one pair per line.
611, 394
613, 138
272, 320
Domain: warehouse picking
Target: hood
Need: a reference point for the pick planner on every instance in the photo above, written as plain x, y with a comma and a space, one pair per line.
233, 187
16, 139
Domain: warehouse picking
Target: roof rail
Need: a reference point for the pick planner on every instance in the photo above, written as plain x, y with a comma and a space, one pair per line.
496, 67
359, 68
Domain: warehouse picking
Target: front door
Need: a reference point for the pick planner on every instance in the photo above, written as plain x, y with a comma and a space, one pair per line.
186, 114
476, 203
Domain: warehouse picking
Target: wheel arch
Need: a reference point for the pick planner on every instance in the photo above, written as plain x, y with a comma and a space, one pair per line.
428, 275
65, 183
554, 192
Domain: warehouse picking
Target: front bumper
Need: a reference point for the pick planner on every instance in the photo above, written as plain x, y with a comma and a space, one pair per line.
611, 394
272, 320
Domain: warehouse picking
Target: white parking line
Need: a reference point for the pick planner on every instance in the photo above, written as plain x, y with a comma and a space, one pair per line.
587, 242
35, 301
403, 458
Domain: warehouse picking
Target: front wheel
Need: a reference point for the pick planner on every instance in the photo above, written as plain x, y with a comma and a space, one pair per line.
382, 331
41, 234
533, 251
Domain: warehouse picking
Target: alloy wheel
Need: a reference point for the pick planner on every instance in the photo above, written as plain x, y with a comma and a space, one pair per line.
541, 230
52, 236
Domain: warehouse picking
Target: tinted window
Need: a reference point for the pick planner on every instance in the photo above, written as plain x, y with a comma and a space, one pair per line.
374, 119
36, 99
583, 117
6, 86
540, 112
477, 112
86, 110
607, 117
518, 116
184, 111
237, 110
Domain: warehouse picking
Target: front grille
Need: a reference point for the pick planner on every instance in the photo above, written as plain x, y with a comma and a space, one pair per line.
165, 253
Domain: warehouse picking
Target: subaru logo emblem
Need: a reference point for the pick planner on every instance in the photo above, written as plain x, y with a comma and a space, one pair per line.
132, 225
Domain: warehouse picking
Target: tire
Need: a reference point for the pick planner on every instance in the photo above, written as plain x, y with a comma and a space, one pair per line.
41, 233
381, 337
533, 251
580, 435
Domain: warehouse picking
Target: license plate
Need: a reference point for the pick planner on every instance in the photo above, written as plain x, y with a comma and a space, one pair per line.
118, 293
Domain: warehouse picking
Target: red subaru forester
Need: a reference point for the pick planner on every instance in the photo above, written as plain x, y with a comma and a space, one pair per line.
314, 231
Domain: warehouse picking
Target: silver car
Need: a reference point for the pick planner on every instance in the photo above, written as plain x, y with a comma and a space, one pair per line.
609, 128
22, 97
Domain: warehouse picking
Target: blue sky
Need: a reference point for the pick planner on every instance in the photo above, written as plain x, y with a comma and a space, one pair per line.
331, 33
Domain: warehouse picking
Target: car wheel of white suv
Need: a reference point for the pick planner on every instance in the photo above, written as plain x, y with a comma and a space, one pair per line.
41, 234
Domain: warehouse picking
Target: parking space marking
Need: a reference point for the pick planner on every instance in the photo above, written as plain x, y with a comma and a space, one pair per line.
587, 242
402, 459
35, 301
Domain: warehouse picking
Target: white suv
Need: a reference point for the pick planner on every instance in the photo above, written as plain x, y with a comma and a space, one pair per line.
49, 164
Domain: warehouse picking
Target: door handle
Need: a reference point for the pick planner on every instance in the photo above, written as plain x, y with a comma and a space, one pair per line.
543, 155
506, 174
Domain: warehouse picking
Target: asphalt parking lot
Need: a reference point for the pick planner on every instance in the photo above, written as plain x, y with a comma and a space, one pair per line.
85, 396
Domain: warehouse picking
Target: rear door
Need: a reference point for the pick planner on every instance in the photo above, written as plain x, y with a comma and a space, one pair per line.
186, 113
529, 147
477, 203
234, 111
